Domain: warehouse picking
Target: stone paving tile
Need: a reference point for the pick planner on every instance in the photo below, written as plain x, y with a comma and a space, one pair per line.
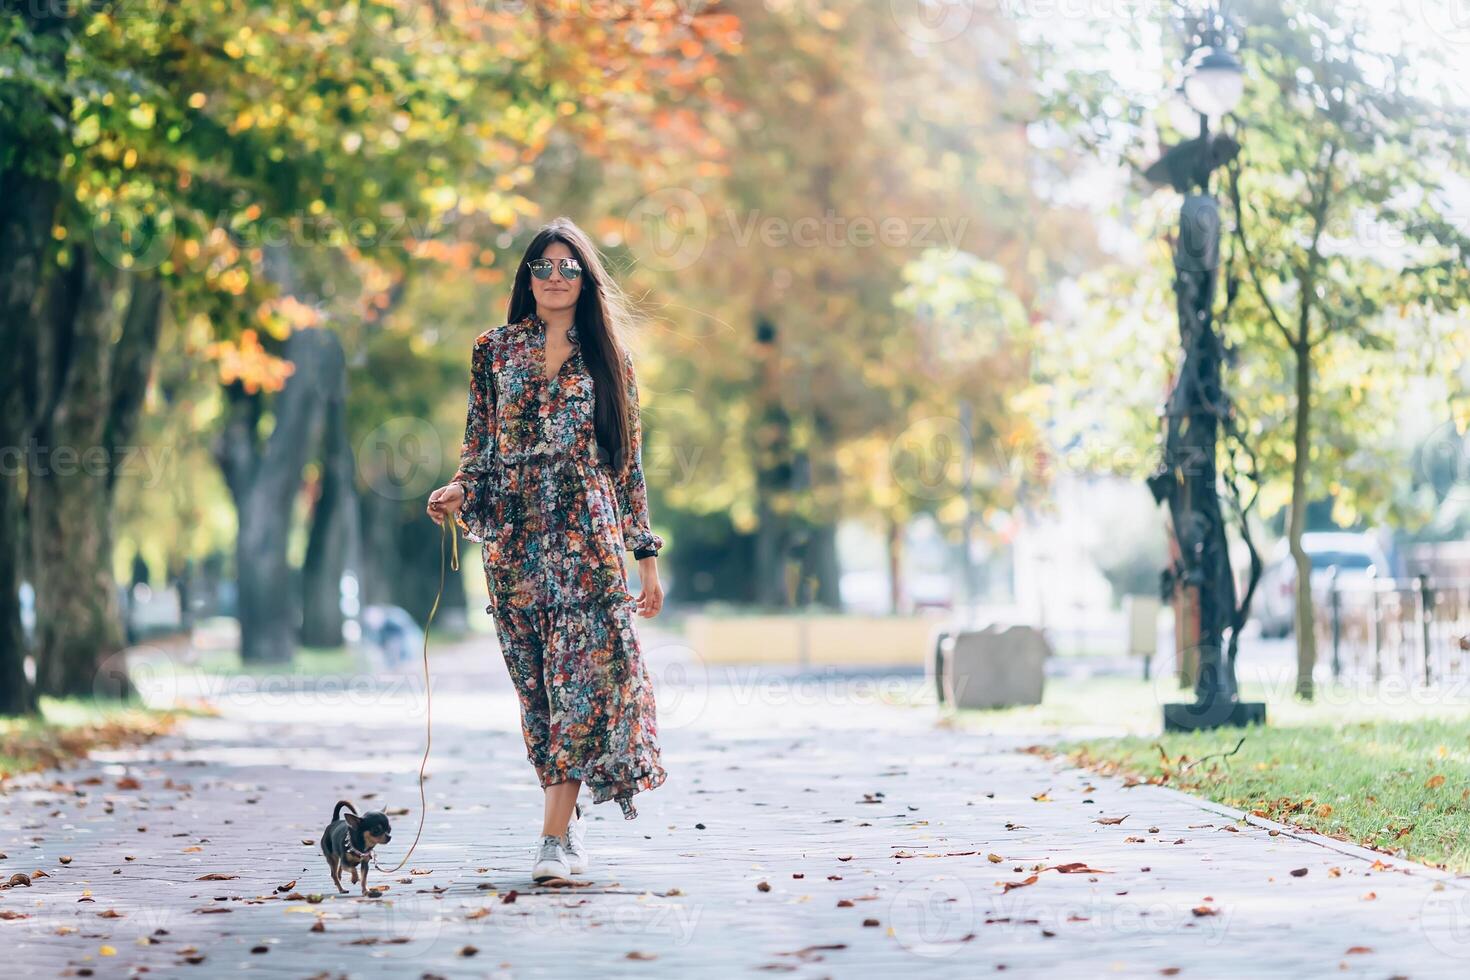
886, 819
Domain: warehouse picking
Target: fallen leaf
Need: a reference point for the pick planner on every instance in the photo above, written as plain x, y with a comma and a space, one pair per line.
1006, 886
1435, 781
639, 954
811, 952
1201, 911
1111, 821
994, 858
1359, 950
220, 876
1299, 872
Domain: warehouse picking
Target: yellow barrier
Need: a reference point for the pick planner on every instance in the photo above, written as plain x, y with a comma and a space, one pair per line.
802, 640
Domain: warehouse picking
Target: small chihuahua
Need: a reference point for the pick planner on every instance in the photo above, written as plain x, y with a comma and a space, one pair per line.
350, 840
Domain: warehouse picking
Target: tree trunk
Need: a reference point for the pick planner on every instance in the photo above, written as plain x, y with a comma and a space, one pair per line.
132, 365
895, 566
27, 209
400, 561
264, 482
379, 519
775, 469
79, 628
820, 568
334, 546
1306, 633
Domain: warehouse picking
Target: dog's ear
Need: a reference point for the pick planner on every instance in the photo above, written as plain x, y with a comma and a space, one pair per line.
352, 820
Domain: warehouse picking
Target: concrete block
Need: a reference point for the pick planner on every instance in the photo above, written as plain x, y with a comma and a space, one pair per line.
995, 667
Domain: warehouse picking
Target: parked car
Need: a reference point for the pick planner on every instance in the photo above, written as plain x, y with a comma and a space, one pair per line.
1353, 554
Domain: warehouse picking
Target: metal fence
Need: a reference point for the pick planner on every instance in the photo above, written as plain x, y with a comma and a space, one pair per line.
1415, 630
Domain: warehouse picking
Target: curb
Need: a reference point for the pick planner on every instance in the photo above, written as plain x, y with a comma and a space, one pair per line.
1403, 865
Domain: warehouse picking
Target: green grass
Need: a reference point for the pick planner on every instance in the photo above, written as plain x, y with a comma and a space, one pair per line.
308, 662
68, 729
1399, 786
1374, 767
1103, 705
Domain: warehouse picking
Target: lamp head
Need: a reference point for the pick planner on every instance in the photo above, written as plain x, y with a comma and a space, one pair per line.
1213, 81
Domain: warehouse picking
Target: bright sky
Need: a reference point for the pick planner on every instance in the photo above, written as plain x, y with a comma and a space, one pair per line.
1140, 56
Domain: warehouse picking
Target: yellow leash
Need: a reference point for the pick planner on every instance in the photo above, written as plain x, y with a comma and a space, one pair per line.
428, 692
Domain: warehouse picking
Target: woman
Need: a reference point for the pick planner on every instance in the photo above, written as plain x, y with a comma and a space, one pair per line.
551, 481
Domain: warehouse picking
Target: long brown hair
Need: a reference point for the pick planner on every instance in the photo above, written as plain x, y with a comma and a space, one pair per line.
603, 312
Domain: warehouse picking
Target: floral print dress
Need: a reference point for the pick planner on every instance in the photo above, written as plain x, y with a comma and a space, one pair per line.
554, 520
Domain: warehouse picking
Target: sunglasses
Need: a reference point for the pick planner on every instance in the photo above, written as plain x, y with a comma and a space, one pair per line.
571, 269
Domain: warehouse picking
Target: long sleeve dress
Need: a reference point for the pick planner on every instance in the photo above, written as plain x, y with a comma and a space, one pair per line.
554, 521
553, 518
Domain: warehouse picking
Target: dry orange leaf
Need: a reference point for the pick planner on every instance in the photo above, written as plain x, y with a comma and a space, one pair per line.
1006, 886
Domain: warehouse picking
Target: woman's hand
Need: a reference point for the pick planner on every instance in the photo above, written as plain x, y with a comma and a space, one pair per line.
445, 501
651, 597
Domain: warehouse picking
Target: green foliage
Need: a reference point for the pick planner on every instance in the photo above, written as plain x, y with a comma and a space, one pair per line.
1343, 250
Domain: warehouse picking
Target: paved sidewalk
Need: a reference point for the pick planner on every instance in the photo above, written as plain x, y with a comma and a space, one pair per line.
807, 828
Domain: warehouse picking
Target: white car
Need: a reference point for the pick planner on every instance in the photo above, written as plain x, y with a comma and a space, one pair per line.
1354, 555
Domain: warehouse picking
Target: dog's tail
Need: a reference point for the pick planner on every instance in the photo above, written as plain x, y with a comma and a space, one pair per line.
337, 813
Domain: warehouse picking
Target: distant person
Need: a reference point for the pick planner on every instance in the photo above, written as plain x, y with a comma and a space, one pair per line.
551, 481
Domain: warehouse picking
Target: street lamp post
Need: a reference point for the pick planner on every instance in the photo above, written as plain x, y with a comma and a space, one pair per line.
1186, 479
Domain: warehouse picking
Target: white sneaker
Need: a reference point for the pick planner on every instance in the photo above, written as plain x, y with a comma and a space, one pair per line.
551, 859
576, 837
